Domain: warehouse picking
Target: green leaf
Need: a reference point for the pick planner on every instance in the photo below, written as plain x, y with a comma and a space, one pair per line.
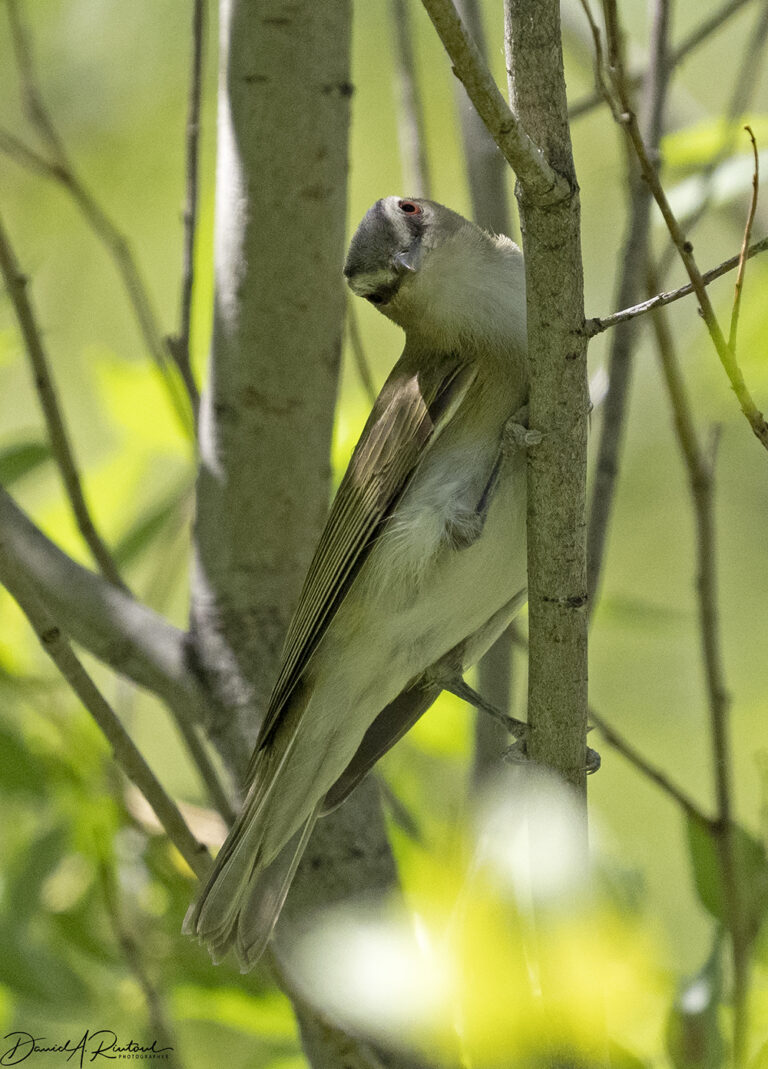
25, 878
693, 147
147, 528
751, 875
693, 1036
729, 180
621, 1058
19, 773
20, 459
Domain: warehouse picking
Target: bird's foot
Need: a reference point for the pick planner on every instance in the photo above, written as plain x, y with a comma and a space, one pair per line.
517, 754
594, 760
517, 434
461, 689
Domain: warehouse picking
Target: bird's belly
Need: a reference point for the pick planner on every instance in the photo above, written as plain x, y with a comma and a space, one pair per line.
418, 597
388, 632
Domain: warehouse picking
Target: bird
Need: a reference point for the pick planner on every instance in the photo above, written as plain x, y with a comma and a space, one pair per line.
422, 561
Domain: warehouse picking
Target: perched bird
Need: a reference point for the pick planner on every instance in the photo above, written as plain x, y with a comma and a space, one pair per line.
420, 566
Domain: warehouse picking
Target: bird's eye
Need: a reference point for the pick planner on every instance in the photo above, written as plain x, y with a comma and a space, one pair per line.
410, 207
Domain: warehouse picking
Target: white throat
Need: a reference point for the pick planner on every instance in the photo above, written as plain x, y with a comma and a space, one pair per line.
468, 290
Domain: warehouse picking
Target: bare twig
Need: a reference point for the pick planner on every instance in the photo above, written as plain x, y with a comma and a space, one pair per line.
597, 325
697, 37
700, 465
649, 770
16, 285
134, 959
112, 625
747, 77
58, 166
487, 170
180, 344
125, 751
542, 183
685, 249
602, 90
103, 618
745, 244
410, 125
358, 352
631, 285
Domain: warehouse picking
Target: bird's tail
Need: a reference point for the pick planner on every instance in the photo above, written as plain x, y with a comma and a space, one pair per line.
241, 902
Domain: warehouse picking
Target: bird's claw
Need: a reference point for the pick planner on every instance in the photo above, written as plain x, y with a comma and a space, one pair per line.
516, 433
517, 754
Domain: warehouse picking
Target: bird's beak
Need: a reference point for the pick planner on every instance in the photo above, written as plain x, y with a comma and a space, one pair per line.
407, 261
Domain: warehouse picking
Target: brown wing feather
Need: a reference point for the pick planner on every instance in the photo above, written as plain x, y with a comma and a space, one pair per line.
414, 404
390, 725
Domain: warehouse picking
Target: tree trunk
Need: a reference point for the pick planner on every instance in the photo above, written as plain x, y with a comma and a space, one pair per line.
267, 409
559, 402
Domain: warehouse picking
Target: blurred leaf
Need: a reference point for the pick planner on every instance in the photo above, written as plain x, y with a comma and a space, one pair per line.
268, 1017
729, 180
78, 928
751, 873
639, 612
38, 973
25, 878
760, 1061
20, 459
147, 528
621, 1058
694, 1040
18, 771
697, 145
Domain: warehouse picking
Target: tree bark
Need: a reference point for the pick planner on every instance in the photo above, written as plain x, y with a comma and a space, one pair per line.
559, 401
267, 410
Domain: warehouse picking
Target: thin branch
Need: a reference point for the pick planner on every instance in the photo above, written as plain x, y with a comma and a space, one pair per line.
597, 325
650, 771
543, 185
745, 243
633, 755
697, 37
358, 351
17, 150
700, 466
125, 751
180, 344
630, 287
486, 168
411, 127
112, 625
59, 167
748, 70
16, 285
602, 91
131, 950
102, 618
685, 250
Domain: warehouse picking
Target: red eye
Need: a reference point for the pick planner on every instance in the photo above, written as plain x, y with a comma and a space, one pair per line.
410, 207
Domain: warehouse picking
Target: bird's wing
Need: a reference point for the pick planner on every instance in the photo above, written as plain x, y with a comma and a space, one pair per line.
390, 725
416, 402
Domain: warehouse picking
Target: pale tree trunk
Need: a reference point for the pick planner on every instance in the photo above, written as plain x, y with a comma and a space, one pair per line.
267, 410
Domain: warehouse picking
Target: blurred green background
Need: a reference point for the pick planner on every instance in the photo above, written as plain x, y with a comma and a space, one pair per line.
115, 77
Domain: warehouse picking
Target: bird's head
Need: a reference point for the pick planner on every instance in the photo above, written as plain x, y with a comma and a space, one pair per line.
393, 244
433, 272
